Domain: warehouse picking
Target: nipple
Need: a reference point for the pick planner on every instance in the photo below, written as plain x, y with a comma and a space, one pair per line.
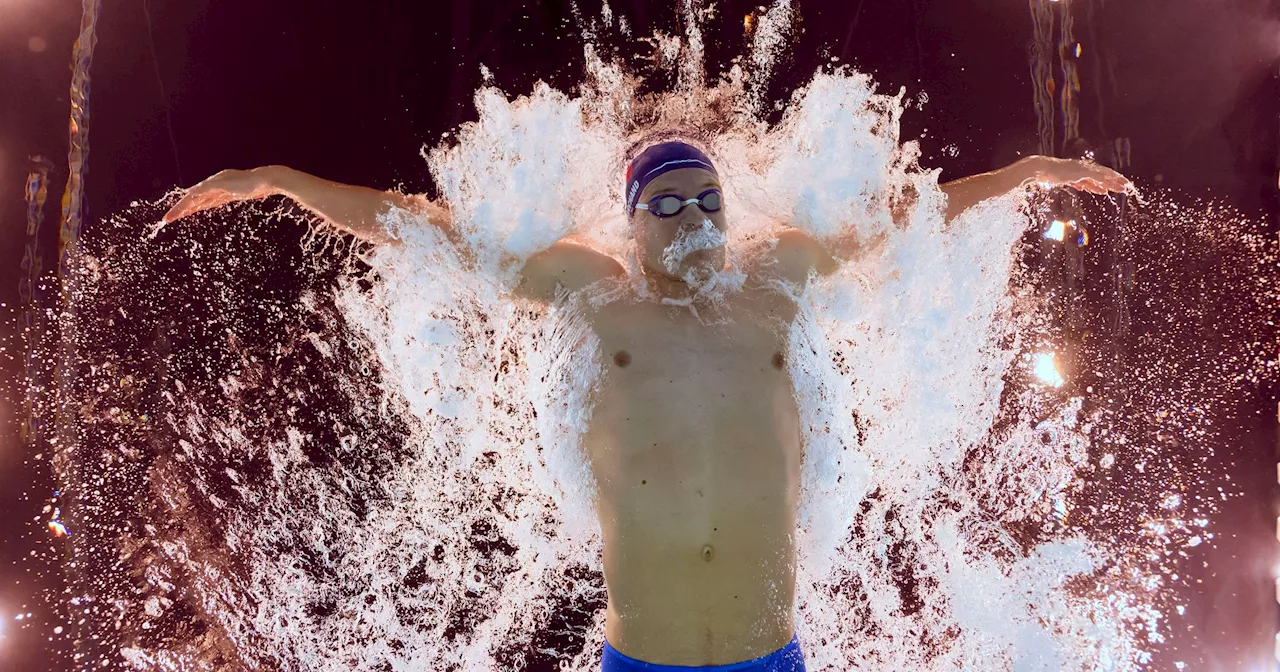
708, 552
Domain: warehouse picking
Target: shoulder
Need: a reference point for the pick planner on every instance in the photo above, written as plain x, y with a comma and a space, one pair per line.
565, 264
790, 256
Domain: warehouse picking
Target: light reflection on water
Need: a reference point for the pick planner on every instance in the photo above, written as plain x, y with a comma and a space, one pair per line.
373, 463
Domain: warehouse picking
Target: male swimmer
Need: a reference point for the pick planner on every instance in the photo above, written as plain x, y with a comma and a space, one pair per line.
695, 438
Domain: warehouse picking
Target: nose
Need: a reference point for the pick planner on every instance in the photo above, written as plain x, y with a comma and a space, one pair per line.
692, 218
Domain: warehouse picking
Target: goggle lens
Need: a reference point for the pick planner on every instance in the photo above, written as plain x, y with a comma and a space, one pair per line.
668, 205
711, 202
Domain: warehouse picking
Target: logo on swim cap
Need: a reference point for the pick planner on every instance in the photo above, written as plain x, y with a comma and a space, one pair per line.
631, 195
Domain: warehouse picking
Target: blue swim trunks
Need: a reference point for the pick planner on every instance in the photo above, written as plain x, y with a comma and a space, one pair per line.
786, 659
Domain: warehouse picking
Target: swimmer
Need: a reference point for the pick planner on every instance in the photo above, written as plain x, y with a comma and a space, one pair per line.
695, 439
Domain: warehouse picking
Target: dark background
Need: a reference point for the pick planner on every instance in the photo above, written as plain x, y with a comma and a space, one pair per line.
351, 91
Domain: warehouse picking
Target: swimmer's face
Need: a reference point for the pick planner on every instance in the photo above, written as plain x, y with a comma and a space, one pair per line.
654, 235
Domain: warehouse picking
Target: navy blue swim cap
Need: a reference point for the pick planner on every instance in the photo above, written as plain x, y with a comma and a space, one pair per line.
659, 159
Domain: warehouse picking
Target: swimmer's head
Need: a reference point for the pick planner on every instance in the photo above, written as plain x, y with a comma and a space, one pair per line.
691, 239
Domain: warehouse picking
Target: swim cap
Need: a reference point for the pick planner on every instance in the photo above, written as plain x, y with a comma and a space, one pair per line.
659, 159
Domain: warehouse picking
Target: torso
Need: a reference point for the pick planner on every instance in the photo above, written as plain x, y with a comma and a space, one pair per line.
694, 442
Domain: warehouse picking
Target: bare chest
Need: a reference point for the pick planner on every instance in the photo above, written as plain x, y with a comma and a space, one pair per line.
674, 384
692, 424
681, 366
694, 443
692, 421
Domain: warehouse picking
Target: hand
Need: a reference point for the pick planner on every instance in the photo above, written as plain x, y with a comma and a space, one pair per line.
1083, 175
228, 186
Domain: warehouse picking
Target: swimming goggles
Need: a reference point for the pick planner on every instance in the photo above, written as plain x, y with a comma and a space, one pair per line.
670, 205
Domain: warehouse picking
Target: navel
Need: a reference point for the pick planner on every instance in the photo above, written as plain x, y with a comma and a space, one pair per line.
778, 361
621, 358
708, 552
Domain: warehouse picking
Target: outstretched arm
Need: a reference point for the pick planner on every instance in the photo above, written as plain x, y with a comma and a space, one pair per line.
967, 192
355, 210
796, 252
352, 209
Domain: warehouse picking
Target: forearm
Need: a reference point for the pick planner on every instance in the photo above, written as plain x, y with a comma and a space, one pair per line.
969, 191
352, 209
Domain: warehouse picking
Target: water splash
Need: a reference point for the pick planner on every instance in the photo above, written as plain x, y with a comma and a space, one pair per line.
374, 462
